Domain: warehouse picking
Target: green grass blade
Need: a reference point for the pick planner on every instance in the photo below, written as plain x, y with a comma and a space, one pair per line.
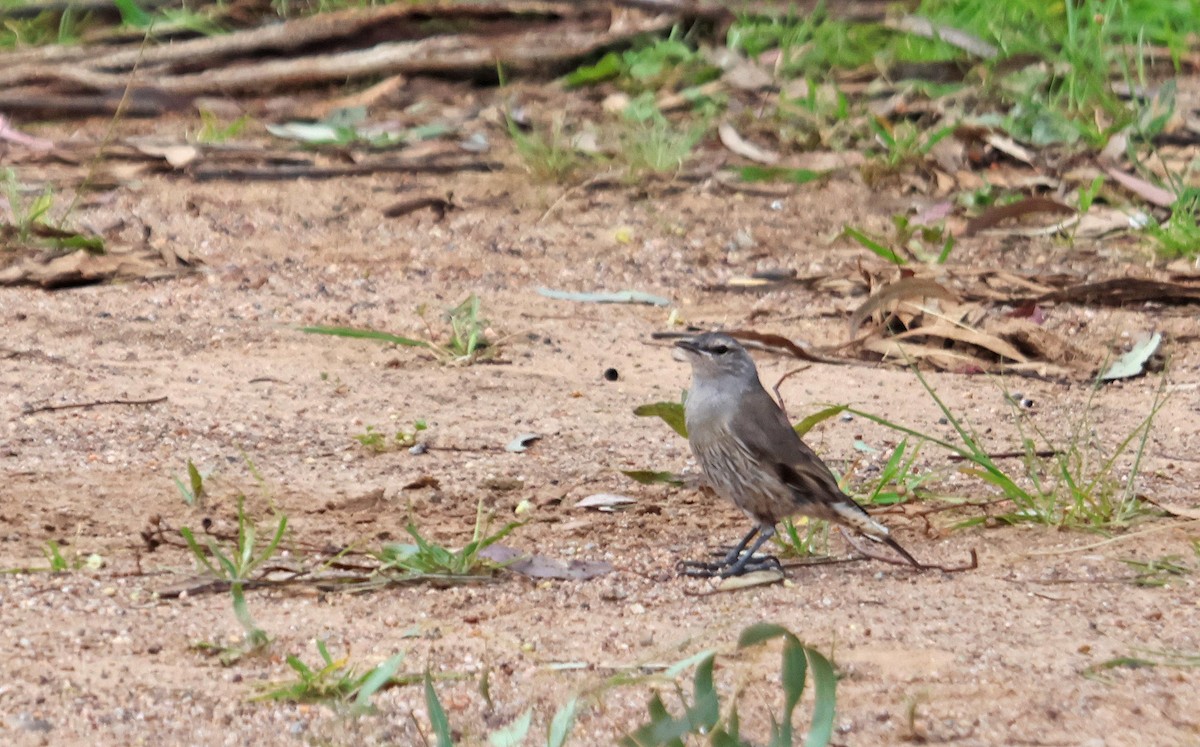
807, 424
376, 679
873, 246
825, 705
562, 723
706, 709
198, 551
671, 413
514, 734
794, 673
365, 334
760, 633
437, 714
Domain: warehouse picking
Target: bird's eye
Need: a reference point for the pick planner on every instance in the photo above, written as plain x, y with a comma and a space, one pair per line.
719, 349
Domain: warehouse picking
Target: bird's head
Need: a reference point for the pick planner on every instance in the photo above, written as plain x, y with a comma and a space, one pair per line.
715, 355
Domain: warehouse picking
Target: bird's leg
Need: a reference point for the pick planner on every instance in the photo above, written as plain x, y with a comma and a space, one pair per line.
732, 556
705, 570
747, 563
737, 561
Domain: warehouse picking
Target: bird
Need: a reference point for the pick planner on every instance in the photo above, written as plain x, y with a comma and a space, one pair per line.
751, 455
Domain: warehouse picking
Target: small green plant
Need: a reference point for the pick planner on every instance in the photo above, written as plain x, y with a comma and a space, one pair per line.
549, 156
467, 341
802, 537
467, 328
1158, 571
428, 559
1179, 235
64, 28
55, 557
1144, 658
901, 145
213, 130
1078, 488
193, 491
702, 716
928, 244
28, 221
334, 681
514, 734
651, 144
810, 44
236, 565
669, 63
378, 442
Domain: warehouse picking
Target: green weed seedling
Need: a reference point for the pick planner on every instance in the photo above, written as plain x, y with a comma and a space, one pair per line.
212, 130
378, 442
1159, 571
802, 537
1079, 488
652, 144
425, 559
669, 63
702, 716
466, 340
236, 565
513, 734
335, 681
901, 145
193, 491
549, 155
29, 224
1179, 234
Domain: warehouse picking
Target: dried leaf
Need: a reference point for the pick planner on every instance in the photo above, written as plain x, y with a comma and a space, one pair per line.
605, 501
974, 337
738, 145
947, 360
994, 215
1150, 193
177, 155
908, 287
748, 580
540, 566
921, 26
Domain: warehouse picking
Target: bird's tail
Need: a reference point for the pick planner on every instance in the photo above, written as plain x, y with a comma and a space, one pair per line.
851, 514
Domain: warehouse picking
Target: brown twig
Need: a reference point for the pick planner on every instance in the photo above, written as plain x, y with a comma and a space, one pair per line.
874, 555
97, 403
779, 396
1006, 455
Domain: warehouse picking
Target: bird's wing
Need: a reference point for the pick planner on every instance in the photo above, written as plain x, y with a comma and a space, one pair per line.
772, 441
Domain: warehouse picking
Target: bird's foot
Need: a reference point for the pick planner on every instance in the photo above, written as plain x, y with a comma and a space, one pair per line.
729, 566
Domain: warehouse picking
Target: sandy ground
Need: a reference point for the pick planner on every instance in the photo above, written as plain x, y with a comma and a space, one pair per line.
996, 656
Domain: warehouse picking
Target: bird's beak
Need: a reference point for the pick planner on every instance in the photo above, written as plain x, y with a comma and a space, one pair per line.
687, 345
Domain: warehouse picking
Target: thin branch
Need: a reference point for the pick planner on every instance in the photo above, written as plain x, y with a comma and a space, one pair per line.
97, 403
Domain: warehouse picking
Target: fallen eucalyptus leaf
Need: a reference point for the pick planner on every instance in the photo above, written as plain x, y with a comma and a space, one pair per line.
747, 580
605, 501
1133, 363
628, 296
522, 442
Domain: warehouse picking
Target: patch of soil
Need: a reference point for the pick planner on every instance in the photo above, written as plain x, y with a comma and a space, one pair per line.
993, 656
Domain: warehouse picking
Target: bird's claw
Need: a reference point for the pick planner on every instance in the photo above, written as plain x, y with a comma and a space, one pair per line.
728, 567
